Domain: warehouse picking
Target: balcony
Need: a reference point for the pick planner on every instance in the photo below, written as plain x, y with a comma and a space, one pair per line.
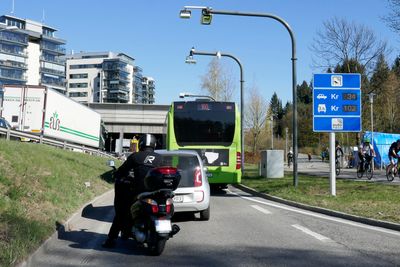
52, 71
57, 61
13, 64
117, 98
54, 49
13, 38
14, 77
116, 89
53, 82
13, 52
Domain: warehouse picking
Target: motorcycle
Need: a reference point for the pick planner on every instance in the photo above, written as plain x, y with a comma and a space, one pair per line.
153, 209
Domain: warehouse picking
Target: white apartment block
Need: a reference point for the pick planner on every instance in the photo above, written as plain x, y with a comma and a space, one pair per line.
103, 77
31, 54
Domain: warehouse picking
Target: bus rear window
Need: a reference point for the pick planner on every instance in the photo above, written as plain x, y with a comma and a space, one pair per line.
204, 123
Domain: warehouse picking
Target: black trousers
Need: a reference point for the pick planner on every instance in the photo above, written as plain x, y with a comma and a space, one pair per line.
123, 200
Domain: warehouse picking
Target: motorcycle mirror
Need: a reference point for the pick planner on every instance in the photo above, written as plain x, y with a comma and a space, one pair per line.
110, 163
205, 169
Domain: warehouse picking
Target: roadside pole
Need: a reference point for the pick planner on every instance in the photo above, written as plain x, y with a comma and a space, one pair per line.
332, 161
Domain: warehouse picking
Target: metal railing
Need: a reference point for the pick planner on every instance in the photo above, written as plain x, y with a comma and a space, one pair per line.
14, 134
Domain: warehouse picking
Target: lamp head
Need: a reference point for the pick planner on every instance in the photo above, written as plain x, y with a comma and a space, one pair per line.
185, 14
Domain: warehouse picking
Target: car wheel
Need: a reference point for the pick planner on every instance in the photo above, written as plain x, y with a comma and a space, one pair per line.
205, 214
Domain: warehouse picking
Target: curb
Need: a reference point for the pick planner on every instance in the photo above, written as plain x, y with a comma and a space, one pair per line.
368, 221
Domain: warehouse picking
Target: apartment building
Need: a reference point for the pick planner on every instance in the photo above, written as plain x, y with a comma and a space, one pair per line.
148, 90
30, 53
104, 77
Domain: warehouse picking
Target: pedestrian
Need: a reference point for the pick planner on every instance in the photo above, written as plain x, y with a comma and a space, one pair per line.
309, 156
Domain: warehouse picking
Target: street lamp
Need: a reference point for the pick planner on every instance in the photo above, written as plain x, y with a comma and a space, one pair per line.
183, 95
371, 101
207, 12
191, 60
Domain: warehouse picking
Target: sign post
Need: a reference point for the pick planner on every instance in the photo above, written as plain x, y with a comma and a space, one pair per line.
336, 108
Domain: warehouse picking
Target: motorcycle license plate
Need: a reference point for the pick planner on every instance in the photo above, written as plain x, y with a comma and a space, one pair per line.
163, 226
178, 199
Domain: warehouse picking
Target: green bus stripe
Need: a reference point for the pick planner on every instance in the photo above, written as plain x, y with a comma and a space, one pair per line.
74, 132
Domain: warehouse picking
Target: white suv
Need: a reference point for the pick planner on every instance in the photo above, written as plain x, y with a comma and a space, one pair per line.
193, 192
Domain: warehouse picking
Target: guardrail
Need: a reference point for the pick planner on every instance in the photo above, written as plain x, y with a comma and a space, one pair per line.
14, 134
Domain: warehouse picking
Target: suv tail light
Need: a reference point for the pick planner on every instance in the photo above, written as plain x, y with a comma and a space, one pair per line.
238, 160
198, 179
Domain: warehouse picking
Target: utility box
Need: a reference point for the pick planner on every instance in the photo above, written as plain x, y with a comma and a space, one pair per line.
272, 163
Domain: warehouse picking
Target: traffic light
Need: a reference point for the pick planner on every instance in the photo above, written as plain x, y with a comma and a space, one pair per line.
206, 17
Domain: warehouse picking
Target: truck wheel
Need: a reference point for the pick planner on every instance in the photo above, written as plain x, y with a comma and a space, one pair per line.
205, 214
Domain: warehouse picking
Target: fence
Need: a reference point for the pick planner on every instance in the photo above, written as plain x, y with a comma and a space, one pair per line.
14, 134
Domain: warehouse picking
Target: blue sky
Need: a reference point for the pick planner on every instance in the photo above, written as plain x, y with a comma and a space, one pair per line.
152, 32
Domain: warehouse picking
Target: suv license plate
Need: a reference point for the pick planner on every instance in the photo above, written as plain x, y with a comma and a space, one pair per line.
178, 198
163, 226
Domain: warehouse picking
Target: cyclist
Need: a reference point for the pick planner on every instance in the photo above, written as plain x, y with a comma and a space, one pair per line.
393, 150
366, 152
338, 150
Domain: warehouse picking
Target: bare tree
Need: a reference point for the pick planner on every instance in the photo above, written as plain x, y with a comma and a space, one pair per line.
393, 19
217, 82
341, 41
255, 116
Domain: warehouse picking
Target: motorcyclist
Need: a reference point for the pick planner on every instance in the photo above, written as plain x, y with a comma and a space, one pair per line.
129, 187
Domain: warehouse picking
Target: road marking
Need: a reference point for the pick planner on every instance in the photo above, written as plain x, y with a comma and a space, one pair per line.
311, 233
321, 216
265, 211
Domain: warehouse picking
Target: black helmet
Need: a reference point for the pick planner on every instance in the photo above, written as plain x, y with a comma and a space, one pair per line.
337, 142
147, 140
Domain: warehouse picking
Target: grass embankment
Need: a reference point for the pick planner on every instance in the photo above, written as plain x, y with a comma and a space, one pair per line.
39, 186
362, 198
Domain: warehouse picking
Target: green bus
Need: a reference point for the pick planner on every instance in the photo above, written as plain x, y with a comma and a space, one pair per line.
213, 130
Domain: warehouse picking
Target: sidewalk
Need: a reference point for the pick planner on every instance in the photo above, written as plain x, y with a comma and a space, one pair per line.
318, 168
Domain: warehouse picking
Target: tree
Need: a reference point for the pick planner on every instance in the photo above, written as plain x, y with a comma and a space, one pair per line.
393, 19
341, 41
255, 116
217, 82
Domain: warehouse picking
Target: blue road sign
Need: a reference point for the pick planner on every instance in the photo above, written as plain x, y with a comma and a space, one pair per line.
337, 102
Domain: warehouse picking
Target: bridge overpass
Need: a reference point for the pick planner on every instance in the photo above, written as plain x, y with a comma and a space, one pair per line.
124, 121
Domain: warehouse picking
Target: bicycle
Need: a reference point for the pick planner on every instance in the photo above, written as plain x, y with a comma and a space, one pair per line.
369, 172
389, 174
337, 166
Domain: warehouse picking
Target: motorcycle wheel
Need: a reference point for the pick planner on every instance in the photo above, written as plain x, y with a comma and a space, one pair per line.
157, 247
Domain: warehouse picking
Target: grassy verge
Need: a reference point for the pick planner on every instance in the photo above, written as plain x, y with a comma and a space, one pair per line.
39, 186
372, 200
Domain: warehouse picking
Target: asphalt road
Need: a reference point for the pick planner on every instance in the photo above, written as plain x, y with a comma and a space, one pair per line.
243, 231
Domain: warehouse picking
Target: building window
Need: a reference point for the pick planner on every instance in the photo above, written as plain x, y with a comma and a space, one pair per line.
78, 85
78, 94
78, 76
85, 66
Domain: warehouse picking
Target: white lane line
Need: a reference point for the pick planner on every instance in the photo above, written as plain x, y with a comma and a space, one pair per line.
311, 233
265, 211
321, 216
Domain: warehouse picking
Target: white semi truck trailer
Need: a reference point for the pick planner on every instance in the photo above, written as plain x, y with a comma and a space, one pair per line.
44, 111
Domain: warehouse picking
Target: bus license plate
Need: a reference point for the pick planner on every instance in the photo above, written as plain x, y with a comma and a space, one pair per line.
178, 199
163, 226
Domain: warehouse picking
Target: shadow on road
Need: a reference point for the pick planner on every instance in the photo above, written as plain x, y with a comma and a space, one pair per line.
97, 213
83, 239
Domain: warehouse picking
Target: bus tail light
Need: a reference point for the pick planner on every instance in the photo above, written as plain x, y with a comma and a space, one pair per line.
198, 179
238, 160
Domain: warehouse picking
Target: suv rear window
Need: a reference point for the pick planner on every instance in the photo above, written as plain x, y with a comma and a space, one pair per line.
186, 164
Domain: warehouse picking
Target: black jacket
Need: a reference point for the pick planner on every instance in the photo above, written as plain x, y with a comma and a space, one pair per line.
140, 163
